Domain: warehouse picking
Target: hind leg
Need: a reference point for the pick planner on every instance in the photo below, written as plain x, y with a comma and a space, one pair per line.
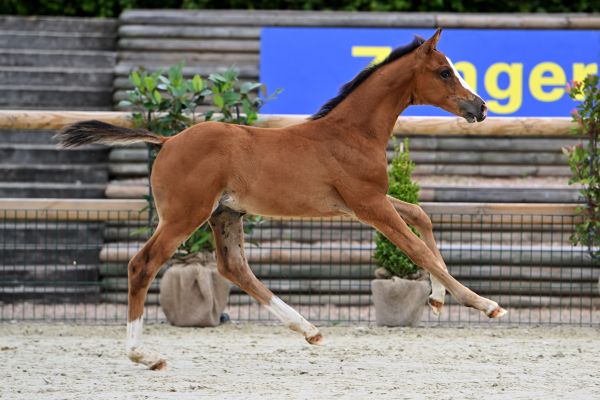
142, 269
231, 261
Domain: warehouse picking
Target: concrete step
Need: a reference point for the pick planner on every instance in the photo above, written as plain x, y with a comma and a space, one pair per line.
499, 194
366, 271
22, 274
344, 300
461, 157
52, 190
344, 253
50, 294
480, 157
138, 188
59, 76
363, 286
64, 173
57, 58
20, 136
48, 234
25, 154
67, 254
53, 97
509, 145
14, 39
493, 171
107, 26
122, 70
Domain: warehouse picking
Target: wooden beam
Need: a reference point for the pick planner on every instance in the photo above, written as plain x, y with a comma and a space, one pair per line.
121, 209
72, 209
46, 120
257, 18
406, 126
493, 126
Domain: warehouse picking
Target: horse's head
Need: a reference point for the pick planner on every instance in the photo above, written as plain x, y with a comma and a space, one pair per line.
439, 84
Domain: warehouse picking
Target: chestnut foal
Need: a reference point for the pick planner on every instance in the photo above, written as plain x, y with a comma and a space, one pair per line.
333, 164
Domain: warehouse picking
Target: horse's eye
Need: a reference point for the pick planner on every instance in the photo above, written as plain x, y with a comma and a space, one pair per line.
446, 74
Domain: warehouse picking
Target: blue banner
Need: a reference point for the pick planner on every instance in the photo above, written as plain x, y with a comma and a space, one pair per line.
517, 72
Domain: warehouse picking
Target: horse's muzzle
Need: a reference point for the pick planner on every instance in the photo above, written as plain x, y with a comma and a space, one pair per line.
473, 110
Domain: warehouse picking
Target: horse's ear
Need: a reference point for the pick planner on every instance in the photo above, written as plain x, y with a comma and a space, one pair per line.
431, 43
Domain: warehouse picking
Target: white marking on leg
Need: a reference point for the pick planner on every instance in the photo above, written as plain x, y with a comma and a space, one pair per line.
438, 291
134, 350
460, 78
290, 317
134, 333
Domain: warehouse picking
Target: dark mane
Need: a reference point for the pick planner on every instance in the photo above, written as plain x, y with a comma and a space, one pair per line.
364, 74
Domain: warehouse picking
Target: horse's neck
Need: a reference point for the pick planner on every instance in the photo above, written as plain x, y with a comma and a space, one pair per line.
372, 109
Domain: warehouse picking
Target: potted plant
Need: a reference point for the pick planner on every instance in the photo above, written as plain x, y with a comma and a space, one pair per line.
192, 293
400, 289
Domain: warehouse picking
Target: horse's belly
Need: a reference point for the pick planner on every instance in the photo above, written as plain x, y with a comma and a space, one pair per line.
276, 204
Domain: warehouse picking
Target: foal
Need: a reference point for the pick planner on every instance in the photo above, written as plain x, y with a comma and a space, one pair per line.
333, 164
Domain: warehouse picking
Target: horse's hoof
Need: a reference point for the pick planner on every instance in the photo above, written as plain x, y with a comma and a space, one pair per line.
436, 306
315, 339
159, 365
150, 359
497, 312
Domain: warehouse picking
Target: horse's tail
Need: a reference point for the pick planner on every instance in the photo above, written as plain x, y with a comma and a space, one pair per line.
89, 132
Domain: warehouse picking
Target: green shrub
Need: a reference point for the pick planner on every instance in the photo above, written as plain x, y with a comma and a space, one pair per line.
167, 104
584, 161
402, 187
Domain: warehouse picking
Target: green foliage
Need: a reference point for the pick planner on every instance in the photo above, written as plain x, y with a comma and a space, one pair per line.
402, 187
168, 104
112, 8
584, 160
164, 104
233, 104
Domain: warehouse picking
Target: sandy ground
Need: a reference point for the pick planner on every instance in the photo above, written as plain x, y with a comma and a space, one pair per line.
249, 361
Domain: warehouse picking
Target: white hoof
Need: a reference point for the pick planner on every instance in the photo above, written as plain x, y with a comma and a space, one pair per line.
152, 360
436, 305
495, 311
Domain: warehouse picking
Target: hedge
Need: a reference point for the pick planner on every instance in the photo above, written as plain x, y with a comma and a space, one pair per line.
112, 8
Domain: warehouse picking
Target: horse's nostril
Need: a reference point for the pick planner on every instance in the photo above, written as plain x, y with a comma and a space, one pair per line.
483, 108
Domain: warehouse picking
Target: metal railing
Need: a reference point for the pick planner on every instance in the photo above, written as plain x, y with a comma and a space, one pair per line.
70, 264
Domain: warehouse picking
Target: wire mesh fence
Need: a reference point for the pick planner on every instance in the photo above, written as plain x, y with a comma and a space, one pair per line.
71, 265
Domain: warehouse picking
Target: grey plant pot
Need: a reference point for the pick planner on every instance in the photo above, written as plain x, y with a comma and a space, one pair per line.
193, 293
399, 302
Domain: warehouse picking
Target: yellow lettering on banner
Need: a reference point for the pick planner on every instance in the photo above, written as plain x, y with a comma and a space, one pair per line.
513, 93
580, 71
469, 73
547, 74
379, 53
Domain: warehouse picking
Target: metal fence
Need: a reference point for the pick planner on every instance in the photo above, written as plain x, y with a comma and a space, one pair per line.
71, 265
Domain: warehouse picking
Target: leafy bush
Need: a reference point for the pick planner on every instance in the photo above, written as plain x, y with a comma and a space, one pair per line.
584, 160
112, 8
167, 104
402, 187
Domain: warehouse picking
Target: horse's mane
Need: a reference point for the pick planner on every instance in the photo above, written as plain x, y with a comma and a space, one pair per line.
362, 76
